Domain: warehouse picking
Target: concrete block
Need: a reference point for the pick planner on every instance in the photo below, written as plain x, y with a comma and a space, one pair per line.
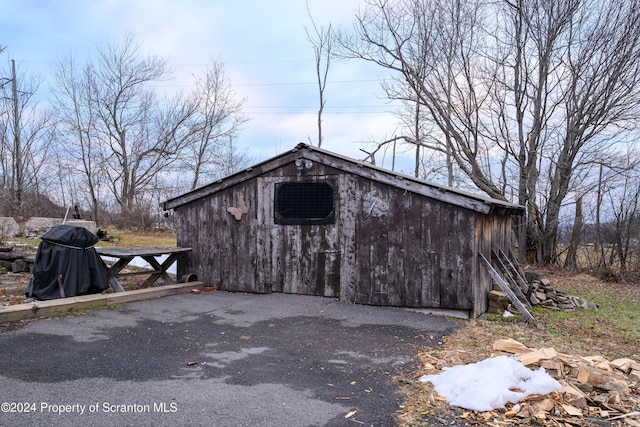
35, 227
9, 227
89, 225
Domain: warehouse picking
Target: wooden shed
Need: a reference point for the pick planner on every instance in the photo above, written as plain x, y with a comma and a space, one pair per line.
316, 223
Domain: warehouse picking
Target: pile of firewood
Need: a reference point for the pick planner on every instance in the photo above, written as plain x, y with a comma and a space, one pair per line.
541, 293
544, 294
594, 392
593, 389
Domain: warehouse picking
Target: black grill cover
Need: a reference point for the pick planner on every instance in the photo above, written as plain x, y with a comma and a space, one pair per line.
67, 265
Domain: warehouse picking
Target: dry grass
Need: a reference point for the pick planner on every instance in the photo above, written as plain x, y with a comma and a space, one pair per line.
12, 286
612, 332
119, 238
139, 239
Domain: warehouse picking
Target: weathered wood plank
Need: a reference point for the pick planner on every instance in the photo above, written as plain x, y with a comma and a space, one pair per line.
510, 280
482, 279
141, 252
410, 252
431, 286
64, 305
264, 274
515, 270
506, 289
456, 238
347, 225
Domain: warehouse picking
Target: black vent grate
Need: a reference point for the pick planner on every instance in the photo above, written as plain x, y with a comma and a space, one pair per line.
304, 203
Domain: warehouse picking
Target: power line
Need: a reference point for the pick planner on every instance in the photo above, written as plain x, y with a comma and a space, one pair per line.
328, 113
327, 107
277, 84
305, 83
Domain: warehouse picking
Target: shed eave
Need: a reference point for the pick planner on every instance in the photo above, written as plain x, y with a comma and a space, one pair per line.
468, 200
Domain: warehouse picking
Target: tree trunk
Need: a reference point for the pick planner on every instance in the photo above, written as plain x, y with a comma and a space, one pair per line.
571, 261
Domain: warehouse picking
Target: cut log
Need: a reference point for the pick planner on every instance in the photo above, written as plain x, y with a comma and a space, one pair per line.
602, 379
510, 346
553, 368
634, 376
498, 302
626, 365
537, 355
571, 410
572, 395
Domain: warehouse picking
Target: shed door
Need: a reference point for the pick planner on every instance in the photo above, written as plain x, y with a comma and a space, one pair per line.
298, 242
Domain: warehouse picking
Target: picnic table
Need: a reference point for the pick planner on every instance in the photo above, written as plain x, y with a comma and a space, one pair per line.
125, 255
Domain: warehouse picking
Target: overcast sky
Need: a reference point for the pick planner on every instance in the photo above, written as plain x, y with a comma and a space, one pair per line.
263, 45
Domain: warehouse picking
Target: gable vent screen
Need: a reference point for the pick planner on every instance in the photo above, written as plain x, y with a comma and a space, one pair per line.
304, 203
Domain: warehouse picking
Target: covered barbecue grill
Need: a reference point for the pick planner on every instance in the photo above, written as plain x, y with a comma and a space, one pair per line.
67, 265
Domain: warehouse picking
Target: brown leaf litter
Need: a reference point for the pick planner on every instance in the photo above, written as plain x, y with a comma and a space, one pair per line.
594, 392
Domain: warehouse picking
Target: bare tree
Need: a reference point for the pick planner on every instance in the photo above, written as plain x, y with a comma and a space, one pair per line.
25, 141
602, 92
571, 259
524, 94
322, 41
128, 143
121, 132
74, 97
529, 48
626, 214
617, 228
216, 122
139, 133
435, 47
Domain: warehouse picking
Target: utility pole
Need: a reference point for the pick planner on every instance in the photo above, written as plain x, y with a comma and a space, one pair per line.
17, 147
417, 132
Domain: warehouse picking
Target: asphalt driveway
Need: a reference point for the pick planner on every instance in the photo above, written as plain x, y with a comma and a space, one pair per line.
214, 359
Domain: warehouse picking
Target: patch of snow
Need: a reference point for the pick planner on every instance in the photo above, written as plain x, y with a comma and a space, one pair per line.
139, 262
491, 383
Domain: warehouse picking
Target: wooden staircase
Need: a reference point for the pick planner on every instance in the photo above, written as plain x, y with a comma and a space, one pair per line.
506, 272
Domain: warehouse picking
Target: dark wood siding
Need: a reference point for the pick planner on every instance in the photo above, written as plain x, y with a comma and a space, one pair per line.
225, 251
492, 232
391, 243
301, 259
410, 250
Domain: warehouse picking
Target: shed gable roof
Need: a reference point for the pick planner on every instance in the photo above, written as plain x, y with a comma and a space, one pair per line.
472, 201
